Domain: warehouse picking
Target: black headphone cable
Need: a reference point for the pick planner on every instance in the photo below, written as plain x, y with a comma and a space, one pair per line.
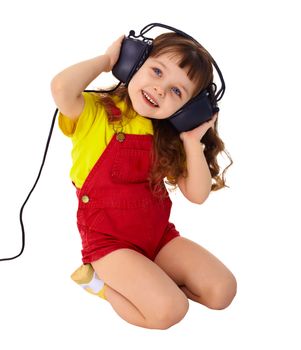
40, 172
33, 187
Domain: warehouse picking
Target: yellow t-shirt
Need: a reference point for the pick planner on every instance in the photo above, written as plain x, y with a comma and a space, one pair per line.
92, 132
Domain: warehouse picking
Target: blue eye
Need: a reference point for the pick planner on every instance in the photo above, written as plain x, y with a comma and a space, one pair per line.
176, 91
157, 71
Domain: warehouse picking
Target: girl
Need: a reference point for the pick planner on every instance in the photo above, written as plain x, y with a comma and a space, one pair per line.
123, 148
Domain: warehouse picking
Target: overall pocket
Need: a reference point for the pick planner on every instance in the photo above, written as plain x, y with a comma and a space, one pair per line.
131, 166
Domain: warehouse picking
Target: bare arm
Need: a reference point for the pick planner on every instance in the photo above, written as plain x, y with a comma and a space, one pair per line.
196, 186
68, 85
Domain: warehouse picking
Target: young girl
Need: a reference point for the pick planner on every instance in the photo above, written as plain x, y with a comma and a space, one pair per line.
123, 149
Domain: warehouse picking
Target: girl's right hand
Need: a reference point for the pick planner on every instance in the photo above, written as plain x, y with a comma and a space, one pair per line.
113, 52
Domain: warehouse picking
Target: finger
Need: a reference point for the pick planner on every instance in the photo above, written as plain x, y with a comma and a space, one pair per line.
214, 117
213, 120
120, 39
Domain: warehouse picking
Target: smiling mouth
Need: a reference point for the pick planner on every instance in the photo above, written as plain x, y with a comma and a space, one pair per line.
149, 99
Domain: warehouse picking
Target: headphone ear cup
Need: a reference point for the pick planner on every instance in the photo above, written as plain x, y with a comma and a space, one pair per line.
197, 111
133, 54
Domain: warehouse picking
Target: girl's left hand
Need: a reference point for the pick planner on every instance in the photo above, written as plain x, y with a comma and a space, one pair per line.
197, 133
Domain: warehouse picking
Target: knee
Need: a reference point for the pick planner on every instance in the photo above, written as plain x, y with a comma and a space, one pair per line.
222, 294
170, 312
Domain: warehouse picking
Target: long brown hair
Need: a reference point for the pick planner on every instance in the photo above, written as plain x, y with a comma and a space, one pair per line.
168, 152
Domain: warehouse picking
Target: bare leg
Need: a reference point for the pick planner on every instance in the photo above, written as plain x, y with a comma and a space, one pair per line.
139, 291
124, 308
202, 277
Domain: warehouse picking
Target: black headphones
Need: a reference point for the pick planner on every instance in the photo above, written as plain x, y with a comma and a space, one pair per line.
136, 49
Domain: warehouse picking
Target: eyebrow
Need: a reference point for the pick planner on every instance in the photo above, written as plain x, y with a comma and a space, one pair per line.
164, 66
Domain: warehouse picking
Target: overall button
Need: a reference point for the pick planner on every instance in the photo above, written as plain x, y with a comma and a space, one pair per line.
85, 199
120, 136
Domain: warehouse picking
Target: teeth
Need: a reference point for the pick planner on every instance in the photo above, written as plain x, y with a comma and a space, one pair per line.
149, 99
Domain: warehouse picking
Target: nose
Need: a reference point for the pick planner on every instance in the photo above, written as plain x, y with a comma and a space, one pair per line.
160, 91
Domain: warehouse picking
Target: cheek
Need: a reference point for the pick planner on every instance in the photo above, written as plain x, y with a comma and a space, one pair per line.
172, 107
137, 83
137, 77
134, 84
132, 87
174, 103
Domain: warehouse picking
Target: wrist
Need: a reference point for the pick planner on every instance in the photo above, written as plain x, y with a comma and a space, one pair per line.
194, 149
192, 143
105, 62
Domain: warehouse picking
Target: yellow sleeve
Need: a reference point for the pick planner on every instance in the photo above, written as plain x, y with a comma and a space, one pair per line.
79, 128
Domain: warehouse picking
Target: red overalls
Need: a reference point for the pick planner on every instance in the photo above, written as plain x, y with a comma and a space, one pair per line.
116, 206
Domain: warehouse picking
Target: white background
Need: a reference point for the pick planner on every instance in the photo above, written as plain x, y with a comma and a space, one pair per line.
252, 227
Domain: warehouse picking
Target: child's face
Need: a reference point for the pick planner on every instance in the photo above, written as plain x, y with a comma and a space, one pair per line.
160, 87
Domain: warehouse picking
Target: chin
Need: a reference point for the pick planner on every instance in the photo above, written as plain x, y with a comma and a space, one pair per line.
141, 110
138, 109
